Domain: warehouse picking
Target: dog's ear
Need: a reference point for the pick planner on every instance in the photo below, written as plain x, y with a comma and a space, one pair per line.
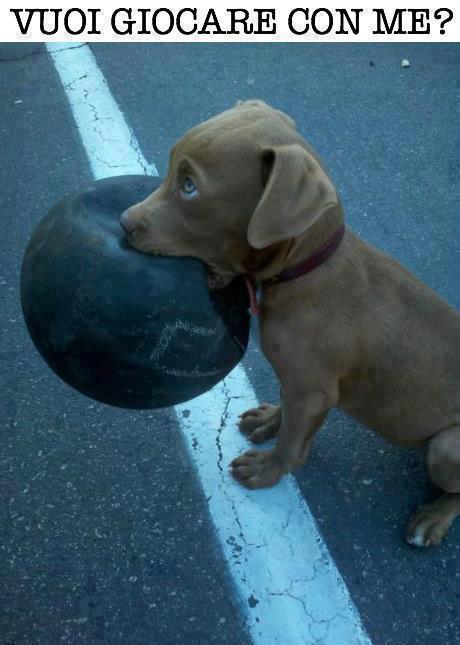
297, 192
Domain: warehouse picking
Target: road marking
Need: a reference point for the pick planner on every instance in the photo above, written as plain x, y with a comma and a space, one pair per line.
109, 142
290, 589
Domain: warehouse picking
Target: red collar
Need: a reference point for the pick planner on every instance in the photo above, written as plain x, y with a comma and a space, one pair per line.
315, 260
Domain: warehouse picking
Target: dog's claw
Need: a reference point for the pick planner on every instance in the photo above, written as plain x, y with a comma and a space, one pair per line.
257, 469
260, 424
427, 527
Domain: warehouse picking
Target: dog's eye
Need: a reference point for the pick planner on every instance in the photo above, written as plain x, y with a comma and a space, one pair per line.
189, 190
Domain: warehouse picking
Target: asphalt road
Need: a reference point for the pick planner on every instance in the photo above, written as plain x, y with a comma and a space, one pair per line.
105, 534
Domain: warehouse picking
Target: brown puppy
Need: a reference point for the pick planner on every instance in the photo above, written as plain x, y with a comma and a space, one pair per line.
247, 195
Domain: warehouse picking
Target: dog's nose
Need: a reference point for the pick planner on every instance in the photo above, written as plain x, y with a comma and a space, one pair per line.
127, 222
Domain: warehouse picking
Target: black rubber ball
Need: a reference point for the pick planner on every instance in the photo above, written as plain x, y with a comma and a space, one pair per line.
125, 328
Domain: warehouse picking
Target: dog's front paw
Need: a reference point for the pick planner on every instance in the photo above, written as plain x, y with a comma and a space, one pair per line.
262, 423
257, 469
428, 526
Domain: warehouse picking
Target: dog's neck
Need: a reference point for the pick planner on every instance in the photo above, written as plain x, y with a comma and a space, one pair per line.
299, 256
264, 265
320, 256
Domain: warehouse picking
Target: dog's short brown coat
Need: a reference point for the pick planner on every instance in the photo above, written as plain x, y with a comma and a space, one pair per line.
247, 195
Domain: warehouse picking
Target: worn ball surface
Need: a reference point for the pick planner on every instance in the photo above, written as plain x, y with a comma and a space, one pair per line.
124, 328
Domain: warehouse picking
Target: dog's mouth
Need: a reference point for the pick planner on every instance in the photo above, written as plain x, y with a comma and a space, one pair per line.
217, 279
130, 241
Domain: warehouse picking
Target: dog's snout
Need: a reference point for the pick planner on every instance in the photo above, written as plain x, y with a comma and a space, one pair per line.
128, 222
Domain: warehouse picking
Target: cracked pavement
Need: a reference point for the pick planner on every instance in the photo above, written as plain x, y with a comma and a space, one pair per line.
105, 529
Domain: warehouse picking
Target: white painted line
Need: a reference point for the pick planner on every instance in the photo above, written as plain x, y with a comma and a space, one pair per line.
290, 588
286, 577
109, 142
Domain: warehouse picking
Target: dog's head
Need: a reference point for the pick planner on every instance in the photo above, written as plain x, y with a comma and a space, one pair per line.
239, 187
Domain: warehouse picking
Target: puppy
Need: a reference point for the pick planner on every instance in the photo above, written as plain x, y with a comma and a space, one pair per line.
341, 323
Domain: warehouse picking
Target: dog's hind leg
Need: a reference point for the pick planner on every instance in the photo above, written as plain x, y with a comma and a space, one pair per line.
431, 523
